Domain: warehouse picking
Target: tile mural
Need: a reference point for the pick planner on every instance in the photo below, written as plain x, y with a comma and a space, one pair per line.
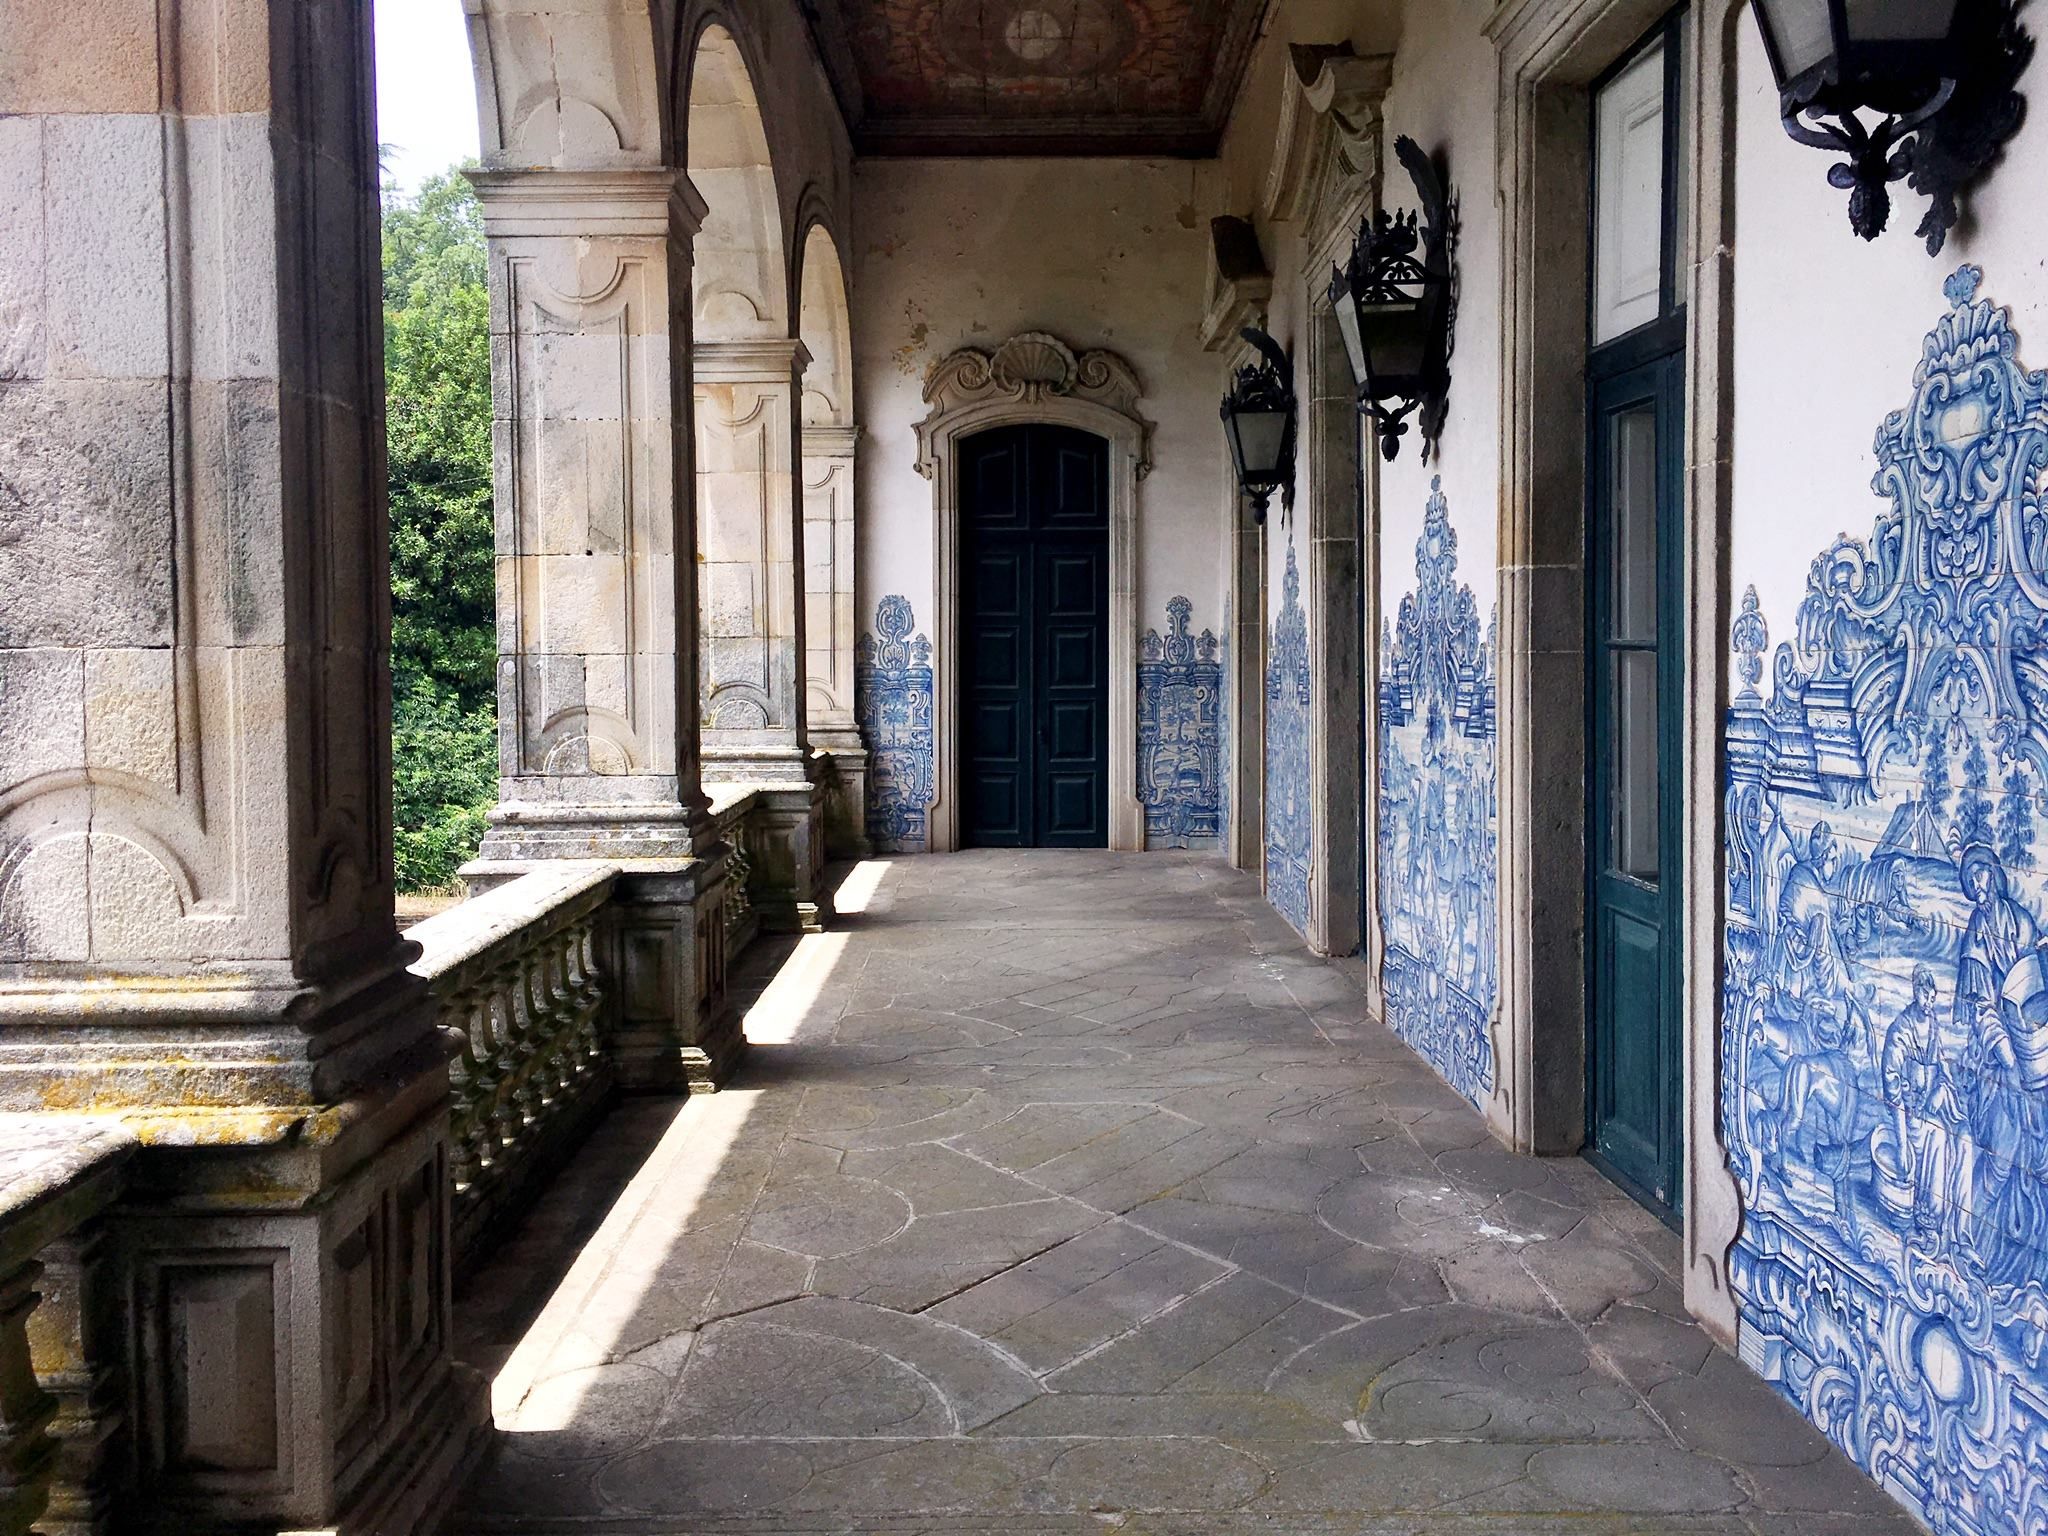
1180, 731
1225, 760
1289, 824
893, 701
1439, 827
1885, 1024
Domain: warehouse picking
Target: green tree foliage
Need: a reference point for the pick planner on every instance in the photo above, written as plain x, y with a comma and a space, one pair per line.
437, 381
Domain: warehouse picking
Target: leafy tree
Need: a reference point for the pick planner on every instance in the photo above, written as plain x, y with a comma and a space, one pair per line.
2016, 821
437, 381
1934, 774
1973, 810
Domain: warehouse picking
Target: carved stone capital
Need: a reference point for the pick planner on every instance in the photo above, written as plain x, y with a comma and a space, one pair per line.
749, 360
645, 203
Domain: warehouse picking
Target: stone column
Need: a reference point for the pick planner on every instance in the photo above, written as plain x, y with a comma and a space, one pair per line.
750, 564
597, 615
830, 627
196, 930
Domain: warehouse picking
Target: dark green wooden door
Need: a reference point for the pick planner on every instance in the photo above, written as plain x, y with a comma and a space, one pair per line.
1034, 633
1635, 685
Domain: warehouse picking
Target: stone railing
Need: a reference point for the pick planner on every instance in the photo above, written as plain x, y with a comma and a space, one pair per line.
60, 1385
516, 976
732, 811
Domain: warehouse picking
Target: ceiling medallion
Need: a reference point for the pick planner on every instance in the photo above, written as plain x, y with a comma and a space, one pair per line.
1035, 39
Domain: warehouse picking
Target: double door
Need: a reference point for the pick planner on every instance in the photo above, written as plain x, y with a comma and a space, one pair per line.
1034, 633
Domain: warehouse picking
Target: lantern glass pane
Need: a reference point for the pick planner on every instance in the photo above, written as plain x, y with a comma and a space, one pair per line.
1396, 340
1354, 345
1261, 435
1900, 21
1802, 30
1232, 436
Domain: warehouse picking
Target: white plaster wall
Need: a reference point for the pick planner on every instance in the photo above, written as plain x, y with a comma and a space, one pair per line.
1101, 253
1828, 328
1442, 98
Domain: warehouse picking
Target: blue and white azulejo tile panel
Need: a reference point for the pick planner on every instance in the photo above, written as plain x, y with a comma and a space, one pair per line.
1439, 829
1885, 1018
1289, 817
893, 702
1180, 732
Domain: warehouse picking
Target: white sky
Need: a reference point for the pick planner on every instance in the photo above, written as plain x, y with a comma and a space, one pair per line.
426, 96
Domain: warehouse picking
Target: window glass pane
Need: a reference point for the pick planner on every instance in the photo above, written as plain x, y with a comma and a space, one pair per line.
1628, 198
1632, 525
1635, 787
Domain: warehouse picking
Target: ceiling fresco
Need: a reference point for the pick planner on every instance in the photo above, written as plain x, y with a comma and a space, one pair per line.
1037, 76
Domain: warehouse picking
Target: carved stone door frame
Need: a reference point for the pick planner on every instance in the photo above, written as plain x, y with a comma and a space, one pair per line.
1037, 378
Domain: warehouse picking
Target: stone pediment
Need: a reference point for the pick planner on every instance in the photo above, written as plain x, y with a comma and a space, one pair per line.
1032, 369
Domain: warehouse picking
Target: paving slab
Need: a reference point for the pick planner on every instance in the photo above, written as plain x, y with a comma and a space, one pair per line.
1074, 1195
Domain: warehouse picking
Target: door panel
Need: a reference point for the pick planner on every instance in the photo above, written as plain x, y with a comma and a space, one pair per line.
1035, 633
1635, 1065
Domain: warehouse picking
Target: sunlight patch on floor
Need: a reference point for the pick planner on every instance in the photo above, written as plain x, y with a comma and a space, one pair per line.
621, 1263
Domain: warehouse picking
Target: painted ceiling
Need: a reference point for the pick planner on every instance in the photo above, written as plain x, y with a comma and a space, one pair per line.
1037, 76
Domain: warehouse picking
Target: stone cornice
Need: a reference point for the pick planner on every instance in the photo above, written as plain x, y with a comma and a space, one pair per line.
623, 202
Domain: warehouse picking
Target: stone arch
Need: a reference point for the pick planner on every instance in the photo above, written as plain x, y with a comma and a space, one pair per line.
825, 326
562, 84
830, 434
740, 284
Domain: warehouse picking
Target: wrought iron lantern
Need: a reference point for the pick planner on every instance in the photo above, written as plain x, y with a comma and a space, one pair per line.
1258, 420
1937, 76
1393, 305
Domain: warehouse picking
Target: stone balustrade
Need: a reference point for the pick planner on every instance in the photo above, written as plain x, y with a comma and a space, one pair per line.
732, 809
60, 1385
516, 975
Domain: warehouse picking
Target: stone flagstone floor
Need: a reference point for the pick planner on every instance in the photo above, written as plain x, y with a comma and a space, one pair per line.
1067, 1192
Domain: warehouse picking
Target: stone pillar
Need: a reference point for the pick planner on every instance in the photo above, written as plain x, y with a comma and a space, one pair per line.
196, 930
830, 626
597, 614
750, 559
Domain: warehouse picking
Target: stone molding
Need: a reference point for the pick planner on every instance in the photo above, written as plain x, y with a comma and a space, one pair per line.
1037, 378
1329, 128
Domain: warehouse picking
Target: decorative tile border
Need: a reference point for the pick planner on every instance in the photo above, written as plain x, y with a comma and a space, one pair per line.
893, 700
1180, 732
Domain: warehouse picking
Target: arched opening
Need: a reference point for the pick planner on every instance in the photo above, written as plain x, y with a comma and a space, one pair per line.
830, 435
747, 371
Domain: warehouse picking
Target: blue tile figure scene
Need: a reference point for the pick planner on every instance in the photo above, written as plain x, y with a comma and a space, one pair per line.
1885, 1035
1439, 829
1180, 728
893, 700
1289, 823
